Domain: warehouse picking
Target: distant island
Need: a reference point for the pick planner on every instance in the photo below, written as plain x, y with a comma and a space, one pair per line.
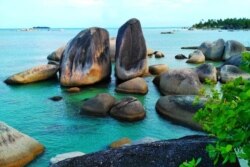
35, 28
230, 23
41, 28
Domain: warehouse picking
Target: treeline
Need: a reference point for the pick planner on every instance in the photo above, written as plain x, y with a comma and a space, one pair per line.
230, 23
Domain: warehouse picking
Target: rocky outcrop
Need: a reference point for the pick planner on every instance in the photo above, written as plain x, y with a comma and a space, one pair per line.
180, 109
196, 57
128, 109
86, 58
158, 69
99, 105
120, 143
56, 55
35, 74
182, 82
64, 156
213, 51
207, 72
137, 85
233, 48
170, 153
159, 54
131, 51
16, 148
180, 56
112, 42
230, 72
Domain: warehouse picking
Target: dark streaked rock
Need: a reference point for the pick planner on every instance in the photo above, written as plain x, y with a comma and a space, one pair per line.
230, 72
233, 48
213, 51
207, 72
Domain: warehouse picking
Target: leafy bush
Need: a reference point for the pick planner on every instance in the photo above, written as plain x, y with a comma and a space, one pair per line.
192, 163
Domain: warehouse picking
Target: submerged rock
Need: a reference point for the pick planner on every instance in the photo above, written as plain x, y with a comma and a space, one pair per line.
35, 74
64, 156
233, 48
182, 82
120, 143
56, 98
131, 51
56, 55
179, 108
73, 90
207, 72
128, 109
213, 51
170, 153
196, 57
99, 105
86, 58
16, 148
158, 69
136, 85
230, 72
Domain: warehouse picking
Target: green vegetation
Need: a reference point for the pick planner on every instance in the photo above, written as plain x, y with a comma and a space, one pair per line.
230, 23
192, 163
226, 116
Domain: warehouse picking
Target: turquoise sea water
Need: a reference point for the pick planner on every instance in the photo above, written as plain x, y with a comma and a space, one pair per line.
58, 125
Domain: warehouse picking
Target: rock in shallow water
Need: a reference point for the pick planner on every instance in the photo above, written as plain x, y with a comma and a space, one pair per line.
137, 85
230, 72
166, 153
207, 72
120, 143
196, 57
131, 51
56, 98
233, 48
16, 148
213, 51
86, 58
35, 74
158, 69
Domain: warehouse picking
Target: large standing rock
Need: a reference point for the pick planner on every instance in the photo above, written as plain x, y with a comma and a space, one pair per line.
112, 42
158, 69
131, 51
56, 55
86, 58
183, 82
230, 72
179, 108
128, 109
35, 74
233, 48
136, 85
16, 148
99, 105
213, 51
206, 71
196, 57
165, 153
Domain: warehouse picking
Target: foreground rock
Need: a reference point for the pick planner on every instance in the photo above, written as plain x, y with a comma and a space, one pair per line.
131, 52
233, 48
213, 51
137, 85
170, 153
128, 109
35, 74
112, 43
183, 82
158, 69
196, 57
180, 56
120, 143
16, 148
179, 108
207, 72
64, 156
86, 58
230, 72
56, 55
99, 105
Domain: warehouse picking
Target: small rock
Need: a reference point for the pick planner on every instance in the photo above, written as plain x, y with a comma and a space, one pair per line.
158, 69
196, 57
120, 143
73, 90
56, 98
180, 56
150, 52
136, 85
159, 54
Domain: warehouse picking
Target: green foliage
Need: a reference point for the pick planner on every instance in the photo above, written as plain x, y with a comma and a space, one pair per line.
192, 163
230, 23
226, 116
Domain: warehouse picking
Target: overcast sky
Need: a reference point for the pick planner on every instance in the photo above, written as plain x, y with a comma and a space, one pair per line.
113, 13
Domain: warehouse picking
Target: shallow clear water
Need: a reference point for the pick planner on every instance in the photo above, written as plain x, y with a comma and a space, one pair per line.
58, 125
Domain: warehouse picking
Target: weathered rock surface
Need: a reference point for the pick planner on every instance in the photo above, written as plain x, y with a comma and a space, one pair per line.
128, 109
156, 80
99, 105
233, 48
158, 69
166, 153
112, 43
64, 156
180, 56
230, 72
207, 72
120, 143
56, 55
234, 60
35, 74
179, 108
182, 82
196, 57
213, 51
144, 140
136, 85
159, 54
131, 51
86, 58
16, 148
